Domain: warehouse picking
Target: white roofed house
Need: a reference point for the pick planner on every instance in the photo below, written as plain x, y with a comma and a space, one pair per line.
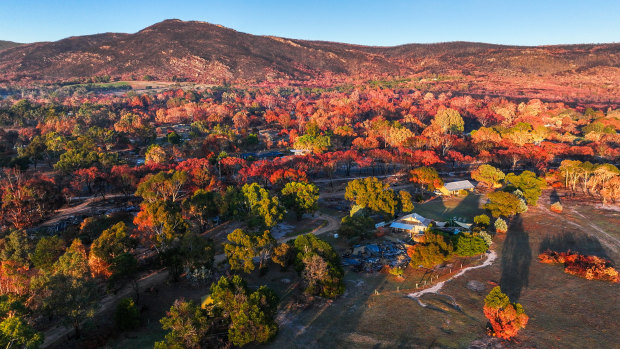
413, 224
453, 188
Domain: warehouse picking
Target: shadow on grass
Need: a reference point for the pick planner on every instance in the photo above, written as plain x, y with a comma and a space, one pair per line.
516, 260
573, 241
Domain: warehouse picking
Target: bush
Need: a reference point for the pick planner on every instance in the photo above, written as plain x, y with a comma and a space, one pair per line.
501, 226
396, 271
463, 192
482, 220
127, 315
557, 207
486, 237
588, 267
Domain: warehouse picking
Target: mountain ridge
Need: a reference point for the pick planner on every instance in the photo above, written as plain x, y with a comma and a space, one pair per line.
211, 53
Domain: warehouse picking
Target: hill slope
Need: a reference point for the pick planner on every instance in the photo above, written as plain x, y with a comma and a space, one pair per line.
204, 52
7, 44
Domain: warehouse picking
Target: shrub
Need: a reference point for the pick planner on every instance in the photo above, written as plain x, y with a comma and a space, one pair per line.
557, 207
396, 271
500, 226
463, 192
588, 267
127, 315
482, 220
486, 237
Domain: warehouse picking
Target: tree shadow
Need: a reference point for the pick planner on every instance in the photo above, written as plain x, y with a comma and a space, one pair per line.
554, 197
516, 260
573, 241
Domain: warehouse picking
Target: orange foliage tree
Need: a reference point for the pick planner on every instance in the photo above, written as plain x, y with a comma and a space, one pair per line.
506, 318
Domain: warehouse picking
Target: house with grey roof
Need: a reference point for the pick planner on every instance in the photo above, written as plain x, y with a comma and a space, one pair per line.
453, 188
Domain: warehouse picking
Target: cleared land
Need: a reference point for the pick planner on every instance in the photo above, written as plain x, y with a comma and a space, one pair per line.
375, 311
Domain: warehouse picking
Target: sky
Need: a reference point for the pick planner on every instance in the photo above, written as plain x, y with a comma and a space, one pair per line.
378, 22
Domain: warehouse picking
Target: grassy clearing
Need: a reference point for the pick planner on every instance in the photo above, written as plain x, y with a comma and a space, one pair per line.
444, 208
565, 310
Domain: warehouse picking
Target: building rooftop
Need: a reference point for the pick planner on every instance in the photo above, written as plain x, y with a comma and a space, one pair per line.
459, 185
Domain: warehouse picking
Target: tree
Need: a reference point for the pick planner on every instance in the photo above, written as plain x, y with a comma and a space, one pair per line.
468, 244
15, 329
488, 175
506, 318
283, 255
160, 222
265, 210
27, 201
245, 247
502, 204
127, 315
155, 154
300, 197
449, 120
188, 326
251, 314
191, 253
373, 194
528, 183
15, 248
426, 176
356, 225
202, 205
109, 249
165, 185
434, 250
69, 292
319, 265
406, 203
47, 251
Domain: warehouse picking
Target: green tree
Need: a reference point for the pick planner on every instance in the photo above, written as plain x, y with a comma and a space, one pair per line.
188, 326
15, 247
245, 247
449, 120
164, 186
528, 183
251, 314
127, 315
488, 175
300, 197
69, 292
47, 251
111, 250
502, 204
468, 244
373, 194
264, 209
173, 138
15, 329
320, 266
202, 205
406, 202
356, 225
283, 255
